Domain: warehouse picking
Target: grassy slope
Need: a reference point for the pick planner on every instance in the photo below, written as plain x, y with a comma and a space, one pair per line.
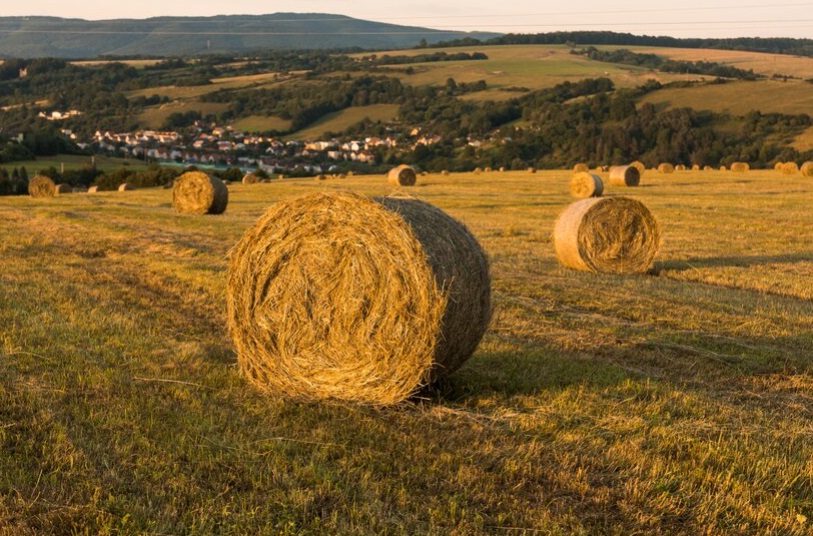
677, 403
343, 119
73, 162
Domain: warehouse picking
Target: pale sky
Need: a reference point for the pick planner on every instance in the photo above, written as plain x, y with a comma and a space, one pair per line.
688, 18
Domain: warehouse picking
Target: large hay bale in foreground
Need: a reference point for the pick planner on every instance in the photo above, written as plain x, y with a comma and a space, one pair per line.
807, 169
607, 235
402, 175
62, 189
586, 185
580, 168
126, 187
337, 296
624, 176
196, 192
666, 167
41, 186
740, 167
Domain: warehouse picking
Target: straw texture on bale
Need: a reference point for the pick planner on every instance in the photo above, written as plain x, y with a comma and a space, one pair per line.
789, 168
126, 186
807, 169
63, 188
607, 235
666, 167
337, 296
250, 178
696, 167
624, 176
41, 186
586, 185
196, 192
580, 167
402, 175
778, 166
680, 167
740, 167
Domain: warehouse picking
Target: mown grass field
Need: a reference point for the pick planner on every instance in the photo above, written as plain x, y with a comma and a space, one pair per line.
678, 402
344, 119
70, 161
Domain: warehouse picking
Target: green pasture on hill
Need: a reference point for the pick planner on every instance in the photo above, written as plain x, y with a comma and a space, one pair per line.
677, 402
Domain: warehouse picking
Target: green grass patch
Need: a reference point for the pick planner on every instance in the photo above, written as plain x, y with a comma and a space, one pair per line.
343, 119
262, 123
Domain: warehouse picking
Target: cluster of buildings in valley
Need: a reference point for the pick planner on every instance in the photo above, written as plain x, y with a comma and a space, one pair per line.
224, 146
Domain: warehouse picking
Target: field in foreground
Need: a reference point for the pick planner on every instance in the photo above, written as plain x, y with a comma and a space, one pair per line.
678, 402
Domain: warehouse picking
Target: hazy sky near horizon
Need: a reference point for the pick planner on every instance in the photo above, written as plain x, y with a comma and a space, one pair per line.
687, 18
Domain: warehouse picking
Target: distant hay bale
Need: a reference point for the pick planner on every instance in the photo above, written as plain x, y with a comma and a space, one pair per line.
488, 169
94, 189
607, 235
445, 172
624, 176
581, 168
790, 168
807, 169
584, 184
502, 169
695, 167
196, 192
402, 175
62, 189
41, 186
337, 296
778, 166
639, 166
321, 177
740, 167
126, 186
250, 178
666, 167
680, 167
723, 168
531, 170
477, 171
708, 168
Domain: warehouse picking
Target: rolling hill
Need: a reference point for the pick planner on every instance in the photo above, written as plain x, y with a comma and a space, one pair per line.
32, 37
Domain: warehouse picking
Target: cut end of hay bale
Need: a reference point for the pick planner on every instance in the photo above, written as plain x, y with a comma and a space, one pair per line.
639, 166
62, 189
807, 169
41, 186
338, 296
124, 187
624, 176
402, 175
250, 178
607, 235
585, 184
196, 192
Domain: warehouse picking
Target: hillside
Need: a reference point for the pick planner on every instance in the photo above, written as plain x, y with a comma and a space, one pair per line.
37, 37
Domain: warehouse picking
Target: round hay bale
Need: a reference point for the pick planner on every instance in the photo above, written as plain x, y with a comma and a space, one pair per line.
502, 169
531, 170
807, 169
321, 177
445, 172
126, 186
196, 192
337, 296
624, 176
723, 168
581, 168
607, 235
250, 178
740, 167
402, 175
696, 167
707, 168
680, 167
488, 170
62, 189
477, 171
586, 185
666, 167
790, 168
94, 189
41, 186
778, 166
639, 166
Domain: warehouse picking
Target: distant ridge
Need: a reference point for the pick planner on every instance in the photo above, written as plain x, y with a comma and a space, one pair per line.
55, 37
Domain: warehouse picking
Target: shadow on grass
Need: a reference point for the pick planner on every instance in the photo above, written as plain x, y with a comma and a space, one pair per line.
524, 373
730, 261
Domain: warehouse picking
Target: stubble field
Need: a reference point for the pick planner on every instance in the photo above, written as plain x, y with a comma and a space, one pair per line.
677, 402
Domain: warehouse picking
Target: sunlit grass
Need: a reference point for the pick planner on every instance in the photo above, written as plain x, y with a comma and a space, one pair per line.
677, 402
